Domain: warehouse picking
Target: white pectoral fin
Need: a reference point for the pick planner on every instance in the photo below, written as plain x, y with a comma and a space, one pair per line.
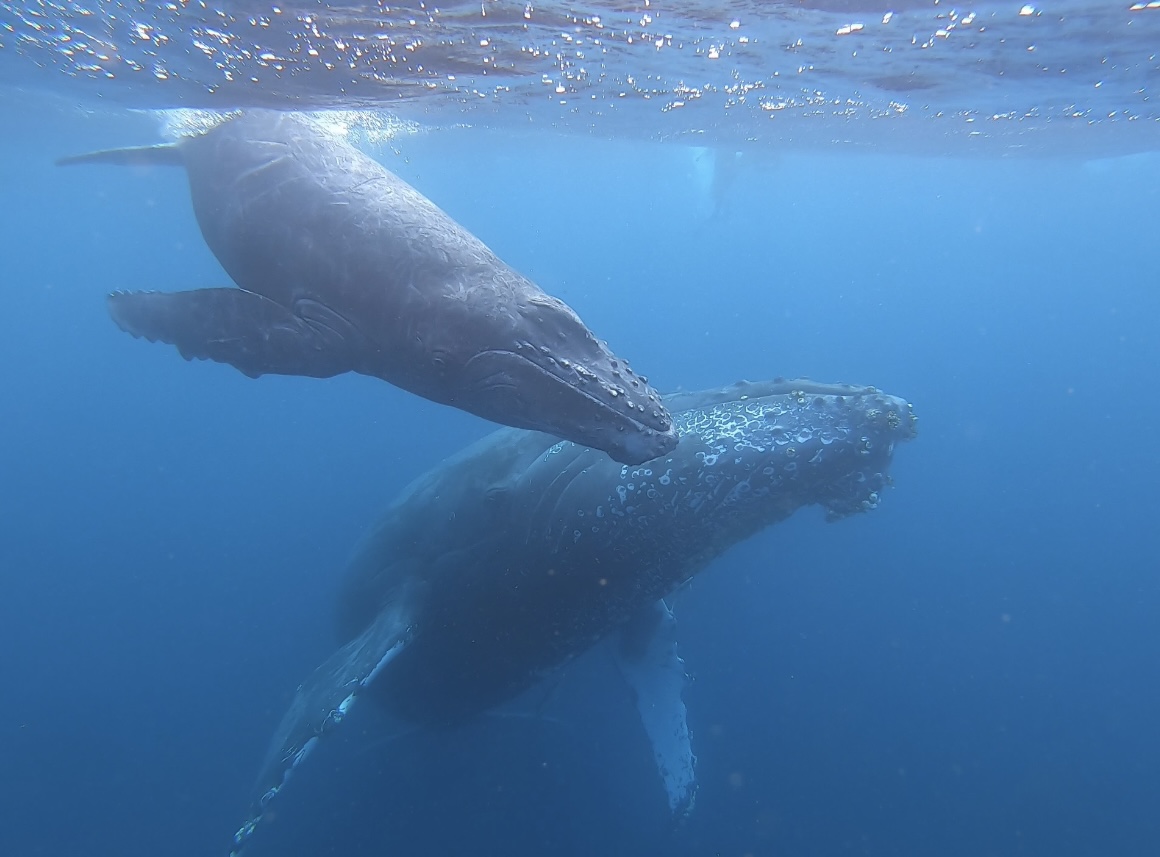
320, 704
648, 660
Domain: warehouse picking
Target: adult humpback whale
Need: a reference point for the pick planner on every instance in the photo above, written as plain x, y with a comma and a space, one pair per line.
344, 267
522, 551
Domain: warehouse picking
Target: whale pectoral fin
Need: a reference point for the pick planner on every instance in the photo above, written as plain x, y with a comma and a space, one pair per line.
245, 329
647, 656
161, 155
321, 703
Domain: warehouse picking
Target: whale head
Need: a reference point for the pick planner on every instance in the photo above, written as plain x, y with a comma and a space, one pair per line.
765, 449
551, 374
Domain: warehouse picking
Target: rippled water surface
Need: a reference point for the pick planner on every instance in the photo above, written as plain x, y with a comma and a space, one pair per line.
853, 191
993, 77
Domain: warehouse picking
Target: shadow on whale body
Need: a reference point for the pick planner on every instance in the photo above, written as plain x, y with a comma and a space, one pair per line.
522, 552
344, 267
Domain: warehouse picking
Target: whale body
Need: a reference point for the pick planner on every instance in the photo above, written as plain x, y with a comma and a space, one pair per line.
523, 551
341, 266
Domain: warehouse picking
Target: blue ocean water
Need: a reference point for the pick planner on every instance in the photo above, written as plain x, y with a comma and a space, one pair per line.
968, 670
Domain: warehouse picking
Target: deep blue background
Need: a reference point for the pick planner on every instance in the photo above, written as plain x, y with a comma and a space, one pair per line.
970, 670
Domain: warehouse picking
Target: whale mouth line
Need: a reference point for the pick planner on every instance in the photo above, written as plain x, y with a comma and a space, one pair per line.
509, 383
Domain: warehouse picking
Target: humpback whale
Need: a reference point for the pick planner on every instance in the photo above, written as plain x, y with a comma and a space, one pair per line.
523, 551
341, 266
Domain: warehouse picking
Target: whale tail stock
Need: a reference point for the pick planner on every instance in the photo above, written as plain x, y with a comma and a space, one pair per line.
160, 155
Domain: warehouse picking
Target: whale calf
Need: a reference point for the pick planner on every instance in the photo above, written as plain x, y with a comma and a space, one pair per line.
341, 266
521, 552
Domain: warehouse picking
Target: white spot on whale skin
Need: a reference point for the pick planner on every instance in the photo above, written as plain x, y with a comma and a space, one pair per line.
378, 668
307, 748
